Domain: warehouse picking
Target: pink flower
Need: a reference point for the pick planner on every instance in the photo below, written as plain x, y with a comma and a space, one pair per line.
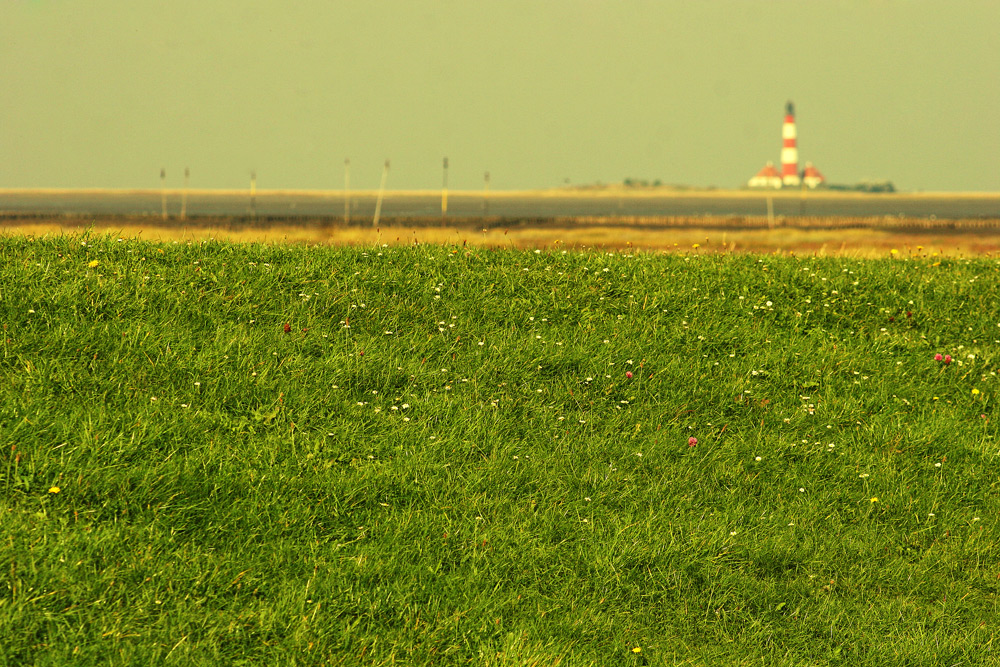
692, 441
628, 374
938, 357
947, 358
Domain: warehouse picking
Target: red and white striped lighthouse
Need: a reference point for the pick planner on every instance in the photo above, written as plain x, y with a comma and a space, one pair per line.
789, 149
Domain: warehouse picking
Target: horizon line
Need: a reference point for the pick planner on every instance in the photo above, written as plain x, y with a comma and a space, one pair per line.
571, 190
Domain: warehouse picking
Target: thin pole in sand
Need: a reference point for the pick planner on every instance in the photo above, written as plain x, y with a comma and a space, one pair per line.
163, 191
253, 195
486, 194
444, 192
347, 191
381, 193
184, 193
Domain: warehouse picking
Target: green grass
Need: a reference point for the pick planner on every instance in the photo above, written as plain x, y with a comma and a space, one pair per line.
465, 475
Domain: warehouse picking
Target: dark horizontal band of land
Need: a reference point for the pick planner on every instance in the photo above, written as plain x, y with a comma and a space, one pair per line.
620, 203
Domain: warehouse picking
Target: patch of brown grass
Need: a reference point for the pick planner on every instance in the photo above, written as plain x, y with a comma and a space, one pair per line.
821, 240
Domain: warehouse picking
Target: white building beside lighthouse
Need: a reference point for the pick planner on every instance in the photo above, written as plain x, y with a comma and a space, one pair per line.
811, 177
768, 177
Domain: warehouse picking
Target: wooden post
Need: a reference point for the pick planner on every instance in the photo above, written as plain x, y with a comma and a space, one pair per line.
381, 192
486, 194
347, 191
163, 191
444, 192
253, 195
184, 193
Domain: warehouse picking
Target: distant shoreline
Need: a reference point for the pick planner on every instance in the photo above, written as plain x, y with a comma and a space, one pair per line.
602, 192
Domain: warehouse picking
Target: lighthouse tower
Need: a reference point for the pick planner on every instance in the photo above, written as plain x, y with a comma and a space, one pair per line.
789, 150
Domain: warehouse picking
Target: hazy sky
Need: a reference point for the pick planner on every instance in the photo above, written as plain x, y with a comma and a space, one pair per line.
106, 92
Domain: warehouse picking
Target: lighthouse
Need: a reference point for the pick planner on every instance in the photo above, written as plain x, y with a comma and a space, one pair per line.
789, 176
789, 149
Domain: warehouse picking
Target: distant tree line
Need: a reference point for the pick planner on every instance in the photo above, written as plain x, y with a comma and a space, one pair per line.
641, 183
865, 186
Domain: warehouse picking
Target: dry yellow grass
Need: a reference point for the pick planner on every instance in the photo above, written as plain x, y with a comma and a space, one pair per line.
563, 234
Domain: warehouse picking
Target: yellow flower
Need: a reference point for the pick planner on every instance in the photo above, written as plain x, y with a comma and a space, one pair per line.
975, 391
54, 489
92, 263
894, 251
695, 246
637, 650
875, 500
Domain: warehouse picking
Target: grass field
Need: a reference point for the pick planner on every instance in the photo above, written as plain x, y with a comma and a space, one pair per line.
437, 455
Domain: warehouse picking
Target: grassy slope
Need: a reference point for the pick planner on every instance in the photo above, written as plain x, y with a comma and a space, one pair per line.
465, 475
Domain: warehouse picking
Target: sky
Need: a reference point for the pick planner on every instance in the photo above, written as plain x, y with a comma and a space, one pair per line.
105, 93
